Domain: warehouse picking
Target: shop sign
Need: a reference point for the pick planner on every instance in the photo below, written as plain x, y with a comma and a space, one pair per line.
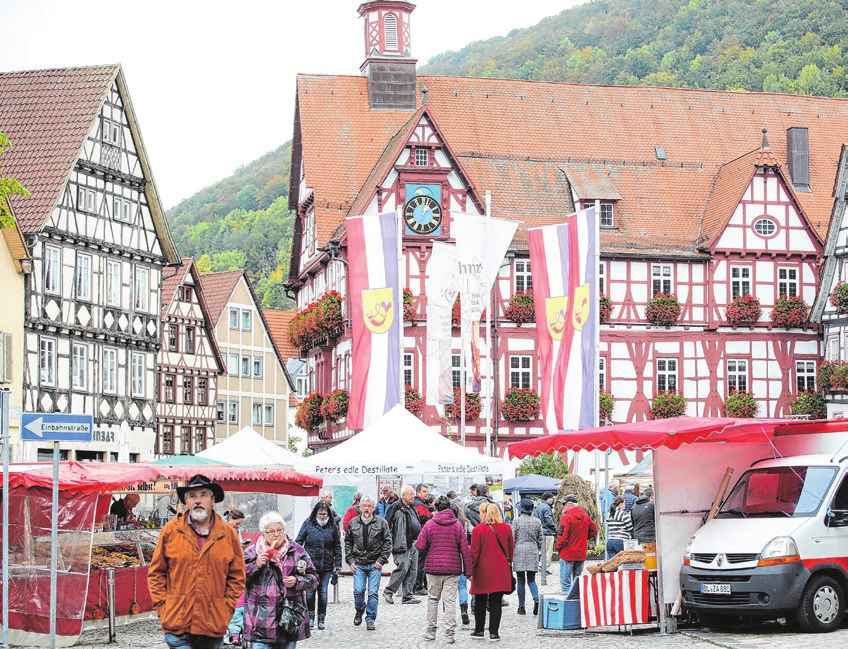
160, 486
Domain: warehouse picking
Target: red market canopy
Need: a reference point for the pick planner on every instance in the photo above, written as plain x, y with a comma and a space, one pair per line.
670, 433
275, 481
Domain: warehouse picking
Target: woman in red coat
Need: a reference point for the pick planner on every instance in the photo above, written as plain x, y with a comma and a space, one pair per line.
492, 545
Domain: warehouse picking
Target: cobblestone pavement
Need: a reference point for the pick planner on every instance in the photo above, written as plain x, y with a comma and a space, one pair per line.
403, 626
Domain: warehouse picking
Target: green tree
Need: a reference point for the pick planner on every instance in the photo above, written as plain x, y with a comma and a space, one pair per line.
549, 464
204, 264
229, 260
8, 187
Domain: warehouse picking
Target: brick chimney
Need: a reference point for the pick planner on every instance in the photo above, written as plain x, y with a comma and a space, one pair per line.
388, 66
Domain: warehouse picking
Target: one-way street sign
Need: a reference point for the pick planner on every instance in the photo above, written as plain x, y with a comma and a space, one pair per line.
56, 427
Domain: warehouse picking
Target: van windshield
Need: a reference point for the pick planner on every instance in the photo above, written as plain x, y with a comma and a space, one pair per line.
787, 491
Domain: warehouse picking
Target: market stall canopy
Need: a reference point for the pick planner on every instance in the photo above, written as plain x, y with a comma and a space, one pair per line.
81, 477
532, 483
249, 448
670, 433
186, 459
400, 443
275, 481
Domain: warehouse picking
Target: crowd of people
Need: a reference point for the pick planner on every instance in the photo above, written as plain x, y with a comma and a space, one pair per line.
206, 588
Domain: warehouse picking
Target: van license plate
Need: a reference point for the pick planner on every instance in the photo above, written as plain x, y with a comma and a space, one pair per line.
715, 589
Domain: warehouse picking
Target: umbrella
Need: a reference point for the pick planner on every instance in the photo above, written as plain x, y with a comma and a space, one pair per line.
532, 483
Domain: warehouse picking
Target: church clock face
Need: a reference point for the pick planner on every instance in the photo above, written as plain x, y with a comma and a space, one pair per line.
422, 214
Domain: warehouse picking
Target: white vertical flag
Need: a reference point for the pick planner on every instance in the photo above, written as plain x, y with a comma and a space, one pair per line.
441, 293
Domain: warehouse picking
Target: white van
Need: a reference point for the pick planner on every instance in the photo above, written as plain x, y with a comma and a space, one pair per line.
777, 546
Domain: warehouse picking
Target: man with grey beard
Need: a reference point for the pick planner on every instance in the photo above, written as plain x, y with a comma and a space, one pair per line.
197, 572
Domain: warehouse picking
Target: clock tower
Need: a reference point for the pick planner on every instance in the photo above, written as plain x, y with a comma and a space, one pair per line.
388, 66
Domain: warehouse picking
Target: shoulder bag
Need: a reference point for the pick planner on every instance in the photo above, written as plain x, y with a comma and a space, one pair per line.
511, 573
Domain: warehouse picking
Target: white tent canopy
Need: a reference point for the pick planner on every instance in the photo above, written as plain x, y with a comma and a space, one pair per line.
249, 448
399, 443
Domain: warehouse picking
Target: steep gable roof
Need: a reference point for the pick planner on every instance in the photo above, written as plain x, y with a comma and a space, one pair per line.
278, 327
732, 180
518, 138
47, 115
217, 288
170, 283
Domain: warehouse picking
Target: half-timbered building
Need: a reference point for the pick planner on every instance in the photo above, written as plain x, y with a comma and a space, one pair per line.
98, 238
188, 368
706, 195
255, 389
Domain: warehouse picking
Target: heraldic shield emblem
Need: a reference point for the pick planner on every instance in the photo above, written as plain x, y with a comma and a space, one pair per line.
378, 309
556, 311
580, 306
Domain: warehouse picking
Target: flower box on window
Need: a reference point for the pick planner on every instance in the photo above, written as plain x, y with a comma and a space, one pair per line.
520, 404
839, 297
663, 310
668, 404
742, 405
472, 406
604, 308
335, 405
317, 321
605, 406
408, 306
789, 312
413, 401
309, 415
521, 308
744, 309
832, 376
810, 403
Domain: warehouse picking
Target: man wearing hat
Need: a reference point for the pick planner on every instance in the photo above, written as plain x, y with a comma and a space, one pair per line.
575, 529
630, 495
545, 513
197, 572
608, 495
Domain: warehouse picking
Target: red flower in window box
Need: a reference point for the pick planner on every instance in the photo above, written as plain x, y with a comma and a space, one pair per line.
309, 415
839, 297
789, 312
335, 405
662, 310
413, 401
668, 404
810, 403
408, 306
743, 309
604, 308
521, 307
605, 406
520, 404
472, 405
742, 405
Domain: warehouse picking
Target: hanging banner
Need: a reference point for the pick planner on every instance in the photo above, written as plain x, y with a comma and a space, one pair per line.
441, 293
372, 243
564, 265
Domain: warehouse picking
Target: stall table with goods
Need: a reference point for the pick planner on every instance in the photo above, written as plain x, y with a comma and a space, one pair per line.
88, 544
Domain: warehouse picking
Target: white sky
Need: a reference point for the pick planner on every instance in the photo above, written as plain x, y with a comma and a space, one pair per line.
213, 81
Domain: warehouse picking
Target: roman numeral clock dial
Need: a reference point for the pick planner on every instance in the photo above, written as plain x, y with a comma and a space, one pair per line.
422, 214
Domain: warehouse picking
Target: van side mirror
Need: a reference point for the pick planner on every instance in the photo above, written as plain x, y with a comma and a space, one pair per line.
836, 518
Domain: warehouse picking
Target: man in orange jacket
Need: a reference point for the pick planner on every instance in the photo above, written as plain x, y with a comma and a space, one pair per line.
197, 572
575, 529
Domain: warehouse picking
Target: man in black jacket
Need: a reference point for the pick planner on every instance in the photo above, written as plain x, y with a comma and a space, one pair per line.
642, 515
368, 542
405, 526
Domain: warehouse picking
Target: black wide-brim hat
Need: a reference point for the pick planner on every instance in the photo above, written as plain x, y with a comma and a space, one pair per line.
526, 505
201, 482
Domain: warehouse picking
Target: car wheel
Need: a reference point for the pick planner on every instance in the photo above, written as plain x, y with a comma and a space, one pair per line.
822, 605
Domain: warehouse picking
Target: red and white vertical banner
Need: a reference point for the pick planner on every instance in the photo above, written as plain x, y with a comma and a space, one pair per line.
372, 243
564, 265
441, 293
614, 598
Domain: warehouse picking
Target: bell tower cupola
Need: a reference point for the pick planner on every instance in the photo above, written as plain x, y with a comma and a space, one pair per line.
388, 66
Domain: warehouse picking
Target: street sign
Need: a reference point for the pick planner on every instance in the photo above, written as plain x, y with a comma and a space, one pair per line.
43, 427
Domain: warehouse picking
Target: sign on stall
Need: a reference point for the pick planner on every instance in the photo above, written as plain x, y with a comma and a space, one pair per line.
160, 486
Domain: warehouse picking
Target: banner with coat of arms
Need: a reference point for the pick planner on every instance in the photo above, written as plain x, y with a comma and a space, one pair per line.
564, 266
376, 315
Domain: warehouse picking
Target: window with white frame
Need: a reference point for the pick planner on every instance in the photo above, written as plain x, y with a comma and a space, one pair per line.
142, 289
113, 283
52, 270
740, 281
607, 216
189, 340
83, 277
666, 374
256, 414
137, 372
520, 367
111, 132
737, 375
300, 389
602, 373
110, 370
787, 282
169, 394
523, 277
122, 210
246, 320
341, 370
234, 319
79, 366
456, 370
407, 369
833, 347
185, 439
257, 367
602, 277
167, 439
269, 415
202, 391
661, 279
47, 361
199, 439
805, 375
221, 412
232, 412
188, 390
86, 199
422, 157
173, 338
245, 365
233, 364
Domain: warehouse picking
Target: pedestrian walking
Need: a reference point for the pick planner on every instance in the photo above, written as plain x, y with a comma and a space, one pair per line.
279, 573
642, 513
630, 495
386, 501
367, 545
352, 511
545, 513
197, 571
492, 547
405, 528
443, 542
608, 495
422, 506
322, 540
527, 532
472, 509
619, 527
575, 529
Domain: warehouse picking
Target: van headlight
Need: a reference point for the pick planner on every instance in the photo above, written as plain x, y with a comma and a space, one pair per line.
780, 550
687, 553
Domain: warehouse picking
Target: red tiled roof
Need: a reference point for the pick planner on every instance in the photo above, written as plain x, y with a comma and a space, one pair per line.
515, 138
217, 289
278, 328
172, 280
730, 183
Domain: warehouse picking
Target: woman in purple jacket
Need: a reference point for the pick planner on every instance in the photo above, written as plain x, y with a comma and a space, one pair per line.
276, 568
444, 541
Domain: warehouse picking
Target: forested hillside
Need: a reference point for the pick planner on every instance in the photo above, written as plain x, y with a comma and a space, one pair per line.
795, 46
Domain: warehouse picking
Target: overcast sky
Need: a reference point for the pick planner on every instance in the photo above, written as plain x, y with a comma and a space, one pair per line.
213, 81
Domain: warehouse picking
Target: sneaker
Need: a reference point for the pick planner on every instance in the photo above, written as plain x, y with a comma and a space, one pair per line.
477, 635
357, 619
311, 623
449, 639
522, 610
420, 592
321, 625
494, 637
388, 597
430, 635
465, 619
370, 626
410, 600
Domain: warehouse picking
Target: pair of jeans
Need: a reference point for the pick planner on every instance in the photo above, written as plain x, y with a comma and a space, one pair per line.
530, 577
614, 546
192, 641
462, 588
366, 576
495, 601
268, 645
568, 572
420, 577
403, 576
442, 587
323, 583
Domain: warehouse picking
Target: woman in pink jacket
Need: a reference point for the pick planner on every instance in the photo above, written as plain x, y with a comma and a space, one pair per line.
492, 546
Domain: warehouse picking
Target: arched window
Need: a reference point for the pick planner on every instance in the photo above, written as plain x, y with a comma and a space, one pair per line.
391, 31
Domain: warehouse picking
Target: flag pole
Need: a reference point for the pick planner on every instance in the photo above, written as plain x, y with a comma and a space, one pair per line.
490, 383
399, 300
596, 235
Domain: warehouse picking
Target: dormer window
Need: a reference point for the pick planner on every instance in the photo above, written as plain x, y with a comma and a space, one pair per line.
391, 32
422, 157
606, 219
